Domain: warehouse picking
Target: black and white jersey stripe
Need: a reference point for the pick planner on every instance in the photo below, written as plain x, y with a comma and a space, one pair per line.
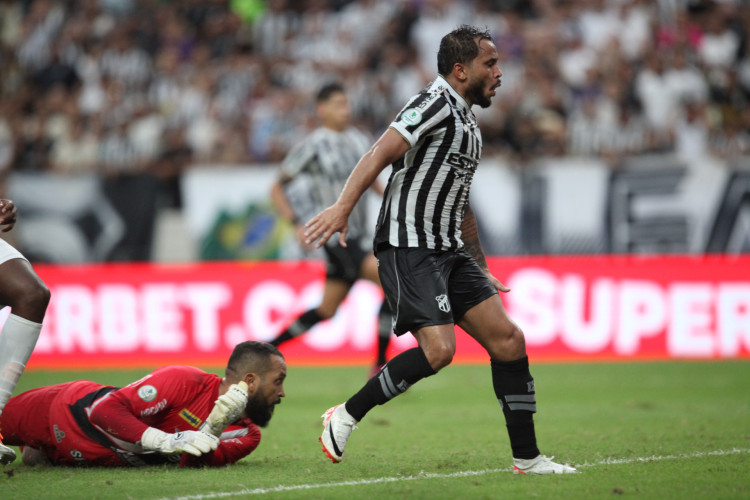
317, 169
429, 186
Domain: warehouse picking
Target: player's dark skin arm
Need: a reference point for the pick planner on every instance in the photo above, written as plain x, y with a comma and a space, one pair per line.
470, 237
279, 200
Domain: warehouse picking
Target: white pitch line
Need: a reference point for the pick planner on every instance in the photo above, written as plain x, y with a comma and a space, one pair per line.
431, 475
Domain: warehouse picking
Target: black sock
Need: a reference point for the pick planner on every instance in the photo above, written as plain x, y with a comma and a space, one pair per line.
303, 323
397, 376
514, 388
385, 328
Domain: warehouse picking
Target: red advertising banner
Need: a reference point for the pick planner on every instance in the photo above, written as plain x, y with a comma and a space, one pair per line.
570, 308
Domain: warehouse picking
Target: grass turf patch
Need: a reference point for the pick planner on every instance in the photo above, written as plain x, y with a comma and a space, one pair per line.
645, 430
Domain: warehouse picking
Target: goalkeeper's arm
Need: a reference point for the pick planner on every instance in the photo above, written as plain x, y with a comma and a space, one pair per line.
227, 409
194, 442
238, 441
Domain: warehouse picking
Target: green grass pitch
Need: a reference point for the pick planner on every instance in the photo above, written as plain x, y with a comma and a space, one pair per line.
640, 430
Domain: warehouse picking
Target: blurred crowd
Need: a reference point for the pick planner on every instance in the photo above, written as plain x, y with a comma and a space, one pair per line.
130, 86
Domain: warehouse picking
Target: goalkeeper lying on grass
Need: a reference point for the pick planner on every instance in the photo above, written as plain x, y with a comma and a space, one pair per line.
174, 414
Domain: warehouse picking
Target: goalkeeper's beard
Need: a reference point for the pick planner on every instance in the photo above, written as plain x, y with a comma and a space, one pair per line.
258, 410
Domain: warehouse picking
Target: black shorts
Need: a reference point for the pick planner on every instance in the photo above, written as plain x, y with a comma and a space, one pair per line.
345, 263
430, 287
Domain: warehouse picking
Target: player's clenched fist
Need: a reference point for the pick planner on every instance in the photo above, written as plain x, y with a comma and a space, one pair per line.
194, 442
227, 409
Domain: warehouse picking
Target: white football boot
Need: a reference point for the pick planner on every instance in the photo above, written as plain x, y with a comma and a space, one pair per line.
541, 465
337, 427
7, 455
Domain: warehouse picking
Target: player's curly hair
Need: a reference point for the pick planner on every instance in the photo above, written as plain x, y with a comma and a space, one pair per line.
251, 356
460, 46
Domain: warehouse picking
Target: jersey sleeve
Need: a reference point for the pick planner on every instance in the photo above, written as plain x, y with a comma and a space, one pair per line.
297, 160
237, 442
127, 412
420, 116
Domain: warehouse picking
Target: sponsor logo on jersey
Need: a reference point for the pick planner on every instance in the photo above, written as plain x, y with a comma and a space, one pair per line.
462, 161
59, 435
427, 102
190, 418
443, 303
411, 116
153, 410
147, 393
77, 455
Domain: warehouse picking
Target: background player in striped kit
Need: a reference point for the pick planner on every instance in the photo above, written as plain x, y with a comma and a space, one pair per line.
431, 263
319, 166
28, 297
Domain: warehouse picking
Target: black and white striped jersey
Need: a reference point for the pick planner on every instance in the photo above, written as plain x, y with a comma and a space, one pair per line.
429, 186
316, 170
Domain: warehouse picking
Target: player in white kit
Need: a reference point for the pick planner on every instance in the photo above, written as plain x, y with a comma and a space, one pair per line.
27, 296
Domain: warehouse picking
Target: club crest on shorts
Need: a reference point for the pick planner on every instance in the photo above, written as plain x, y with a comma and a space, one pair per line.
443, 303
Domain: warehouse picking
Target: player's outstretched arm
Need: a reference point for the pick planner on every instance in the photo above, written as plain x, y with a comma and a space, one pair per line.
285, 209
119, 413
389, 148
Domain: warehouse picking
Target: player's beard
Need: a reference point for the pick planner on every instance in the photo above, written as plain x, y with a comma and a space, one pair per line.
258, 410
476, 95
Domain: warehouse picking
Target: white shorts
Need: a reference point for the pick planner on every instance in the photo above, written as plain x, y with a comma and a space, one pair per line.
7, 252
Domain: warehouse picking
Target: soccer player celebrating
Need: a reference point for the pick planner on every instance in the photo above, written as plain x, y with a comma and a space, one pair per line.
174, 414
28, 297
431, 263
321, 163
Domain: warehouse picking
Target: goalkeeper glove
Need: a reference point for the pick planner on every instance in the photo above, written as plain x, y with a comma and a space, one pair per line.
194, 442
227, 409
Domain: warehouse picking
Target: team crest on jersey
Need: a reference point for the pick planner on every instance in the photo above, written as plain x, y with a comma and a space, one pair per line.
147, 393
411, 116
188, 417
443, 303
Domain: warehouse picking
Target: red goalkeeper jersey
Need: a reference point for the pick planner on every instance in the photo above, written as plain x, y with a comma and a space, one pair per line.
87, 423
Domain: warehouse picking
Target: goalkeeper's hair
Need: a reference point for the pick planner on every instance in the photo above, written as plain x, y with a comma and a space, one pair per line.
251, 356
